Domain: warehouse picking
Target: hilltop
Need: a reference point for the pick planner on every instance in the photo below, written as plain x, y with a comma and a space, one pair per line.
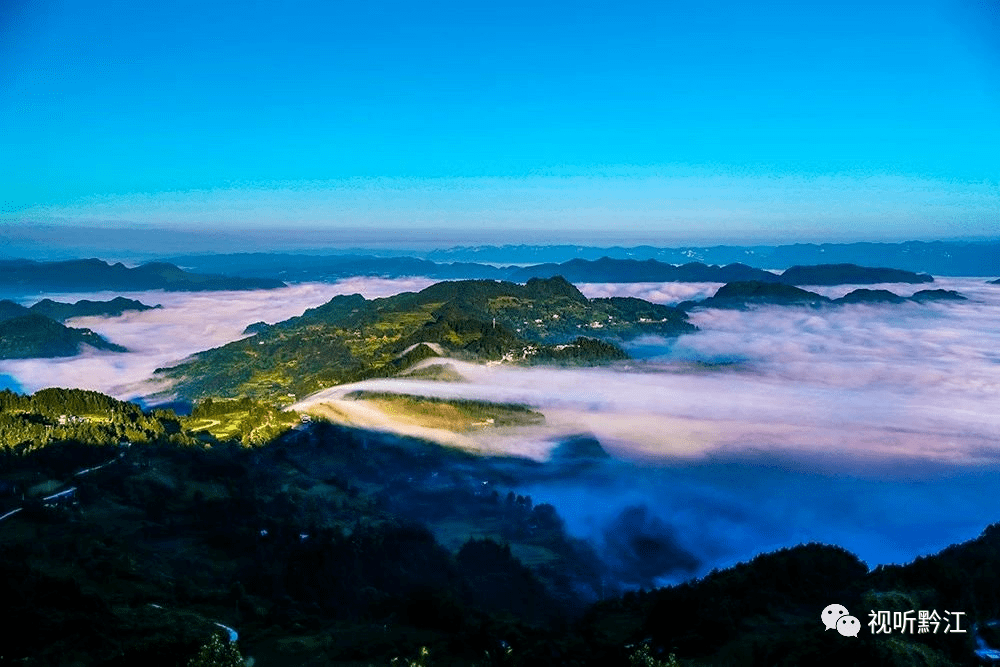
352, 338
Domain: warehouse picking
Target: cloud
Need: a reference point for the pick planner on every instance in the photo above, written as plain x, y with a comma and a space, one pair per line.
665, 293
873, 427
188, 323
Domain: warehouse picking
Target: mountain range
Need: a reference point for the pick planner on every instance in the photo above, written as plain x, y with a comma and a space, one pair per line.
943, 258
86, 275
603, 269
744, 294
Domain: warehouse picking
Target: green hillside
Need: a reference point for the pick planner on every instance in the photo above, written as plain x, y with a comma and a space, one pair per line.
344, 547
352, 338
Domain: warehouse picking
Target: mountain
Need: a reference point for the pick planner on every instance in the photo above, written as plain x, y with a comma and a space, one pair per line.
944, 258
10, 310
848, 274
303, 268
95, 275
870, 296
607, 270
33, 335
741, 295
61, 312
351, 338
602, 269
28, 333
925, 295
745, 294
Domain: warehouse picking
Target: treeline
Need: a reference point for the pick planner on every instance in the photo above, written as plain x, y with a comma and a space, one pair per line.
582, 350
75, 416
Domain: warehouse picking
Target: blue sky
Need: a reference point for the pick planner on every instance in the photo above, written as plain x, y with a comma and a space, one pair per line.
699, 121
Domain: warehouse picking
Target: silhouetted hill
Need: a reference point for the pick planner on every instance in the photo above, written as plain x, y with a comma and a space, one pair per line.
9, 310
95, 275
602, 269
61, 312
606, 270
870, 296
925, 295
745, 294
302, 268
945, 258
33, 335
848, 274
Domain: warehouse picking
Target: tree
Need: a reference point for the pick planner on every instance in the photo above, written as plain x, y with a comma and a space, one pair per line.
218, 652
641, 657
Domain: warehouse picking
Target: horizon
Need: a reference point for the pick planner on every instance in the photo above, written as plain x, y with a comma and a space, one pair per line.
137, 245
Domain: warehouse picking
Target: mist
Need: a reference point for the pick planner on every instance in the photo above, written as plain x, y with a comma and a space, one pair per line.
872, 427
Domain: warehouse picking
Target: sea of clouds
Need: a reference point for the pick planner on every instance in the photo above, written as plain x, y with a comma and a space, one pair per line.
873, 427
188, 322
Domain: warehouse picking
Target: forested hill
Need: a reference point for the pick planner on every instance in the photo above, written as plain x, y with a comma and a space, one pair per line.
351, 338
36, 336
68, 418
91, 275
338, 546
38, 332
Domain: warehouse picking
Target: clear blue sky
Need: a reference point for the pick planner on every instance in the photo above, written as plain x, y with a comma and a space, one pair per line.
715, 119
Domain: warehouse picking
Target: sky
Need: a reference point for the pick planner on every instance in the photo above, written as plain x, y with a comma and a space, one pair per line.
714, 121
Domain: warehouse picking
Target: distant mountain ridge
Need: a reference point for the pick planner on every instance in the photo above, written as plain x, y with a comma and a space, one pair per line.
944, 258
604, 269
740, 295
61, 312
86, 275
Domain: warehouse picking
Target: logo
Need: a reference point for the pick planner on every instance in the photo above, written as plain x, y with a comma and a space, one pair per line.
836, 617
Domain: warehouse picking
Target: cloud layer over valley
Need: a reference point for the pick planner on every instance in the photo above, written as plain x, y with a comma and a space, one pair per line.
872, 427
188, 323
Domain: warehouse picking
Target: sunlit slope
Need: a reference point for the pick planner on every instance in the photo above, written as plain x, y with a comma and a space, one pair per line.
351, 338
